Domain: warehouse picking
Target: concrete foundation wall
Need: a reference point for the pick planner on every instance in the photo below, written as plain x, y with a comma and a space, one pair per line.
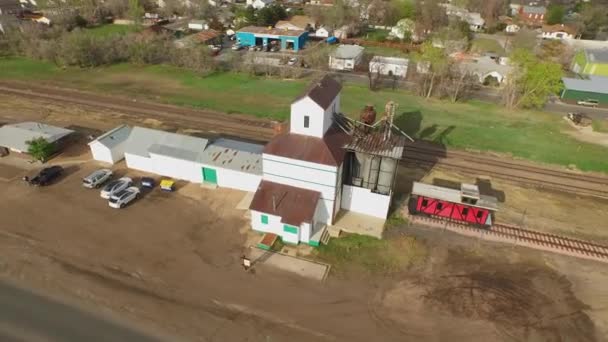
362, 200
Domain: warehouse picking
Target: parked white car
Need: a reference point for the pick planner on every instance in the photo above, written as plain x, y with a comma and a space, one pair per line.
116, 186
97, 178
292, 61
237, 47
123, 197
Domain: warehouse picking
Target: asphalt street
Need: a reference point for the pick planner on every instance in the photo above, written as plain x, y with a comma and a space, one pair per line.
26, 316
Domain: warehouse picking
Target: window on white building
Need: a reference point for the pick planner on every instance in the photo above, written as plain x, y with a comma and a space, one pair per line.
306, 121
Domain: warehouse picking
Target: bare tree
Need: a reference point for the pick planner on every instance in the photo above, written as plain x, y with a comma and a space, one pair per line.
429, 17
458, 83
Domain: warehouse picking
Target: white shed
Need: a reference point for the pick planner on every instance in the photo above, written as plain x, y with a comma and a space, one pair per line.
389, 66
198, 25
110, 146
322, 32
346, 57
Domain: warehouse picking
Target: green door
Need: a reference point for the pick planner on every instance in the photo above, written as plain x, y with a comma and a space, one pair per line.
209, 175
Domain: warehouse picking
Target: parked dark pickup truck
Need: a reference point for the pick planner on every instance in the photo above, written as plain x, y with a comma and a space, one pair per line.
45, 176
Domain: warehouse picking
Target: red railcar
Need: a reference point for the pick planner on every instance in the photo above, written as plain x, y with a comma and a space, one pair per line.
465, 205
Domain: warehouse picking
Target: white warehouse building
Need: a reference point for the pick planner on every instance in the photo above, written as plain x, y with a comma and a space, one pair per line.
223, 162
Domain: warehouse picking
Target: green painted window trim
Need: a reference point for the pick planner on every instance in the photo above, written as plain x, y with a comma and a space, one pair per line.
264, 219
290, 229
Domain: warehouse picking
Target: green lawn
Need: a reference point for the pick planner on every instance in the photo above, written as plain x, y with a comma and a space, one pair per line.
533, 135
600, 125
384, 51
359, 252
110, 29
482, 45
376, 35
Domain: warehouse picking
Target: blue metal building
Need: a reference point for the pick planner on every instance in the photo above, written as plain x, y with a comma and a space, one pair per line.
263, 36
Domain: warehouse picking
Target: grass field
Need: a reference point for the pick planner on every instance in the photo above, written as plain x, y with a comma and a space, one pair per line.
482, 45
109, 30
537, 136
384, 51
370, 254
600, 125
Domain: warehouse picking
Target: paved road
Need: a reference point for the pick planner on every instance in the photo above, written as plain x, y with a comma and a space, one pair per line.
25, 316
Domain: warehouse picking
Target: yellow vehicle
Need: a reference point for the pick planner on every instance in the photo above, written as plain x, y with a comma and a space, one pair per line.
167, 185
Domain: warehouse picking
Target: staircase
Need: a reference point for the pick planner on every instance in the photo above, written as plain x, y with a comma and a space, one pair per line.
320, 237
325, 236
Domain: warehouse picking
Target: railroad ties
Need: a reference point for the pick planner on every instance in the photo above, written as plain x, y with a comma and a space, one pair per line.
522, 237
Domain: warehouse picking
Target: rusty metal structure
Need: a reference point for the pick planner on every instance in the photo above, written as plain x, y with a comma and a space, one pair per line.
375, 149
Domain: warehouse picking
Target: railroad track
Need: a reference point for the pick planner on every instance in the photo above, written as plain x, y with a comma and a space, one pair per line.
545, 178
261, 130
467, 156
523, 237
235, 125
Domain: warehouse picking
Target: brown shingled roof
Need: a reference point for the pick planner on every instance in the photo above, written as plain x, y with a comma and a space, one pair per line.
323, 92
294, 205
327, 151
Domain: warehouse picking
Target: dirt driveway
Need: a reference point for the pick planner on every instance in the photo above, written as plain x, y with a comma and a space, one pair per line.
171, 262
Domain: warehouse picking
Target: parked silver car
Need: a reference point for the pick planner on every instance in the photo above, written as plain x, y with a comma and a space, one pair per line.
97, 178
116, 186
123, 197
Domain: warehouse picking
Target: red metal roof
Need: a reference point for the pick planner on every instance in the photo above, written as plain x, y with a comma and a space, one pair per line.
323, 92
294, 205
327, 151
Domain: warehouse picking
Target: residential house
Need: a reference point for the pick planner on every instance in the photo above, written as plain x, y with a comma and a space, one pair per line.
591, 62
209, 37
346, 57
487, 69
198, 25
532, 15
512, 28
259, 4
323, 32
404, 28
591, 88
317, 169
297, 22
474, 19
322, 2
514, 9
389, 66
222, 162
558, 31
15, 137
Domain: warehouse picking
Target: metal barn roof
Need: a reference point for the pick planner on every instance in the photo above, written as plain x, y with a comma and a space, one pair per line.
348, 51
234, 155
594, 84
114, 137
261, 30
143, 141
16, 136
375, 144
597, 55
390, 60
453, 195
294, 205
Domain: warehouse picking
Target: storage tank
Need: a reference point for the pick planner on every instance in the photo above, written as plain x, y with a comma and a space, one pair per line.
368, 115
386, 175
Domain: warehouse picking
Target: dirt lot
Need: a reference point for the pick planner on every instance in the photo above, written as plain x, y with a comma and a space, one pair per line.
171, 262
543, 210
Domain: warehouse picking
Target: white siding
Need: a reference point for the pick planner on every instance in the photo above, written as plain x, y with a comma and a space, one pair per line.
237, 180
328, 116
296, 172
275, 226
298, 162
104, 154
307, 107
364, 201
101, 153
166, 166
